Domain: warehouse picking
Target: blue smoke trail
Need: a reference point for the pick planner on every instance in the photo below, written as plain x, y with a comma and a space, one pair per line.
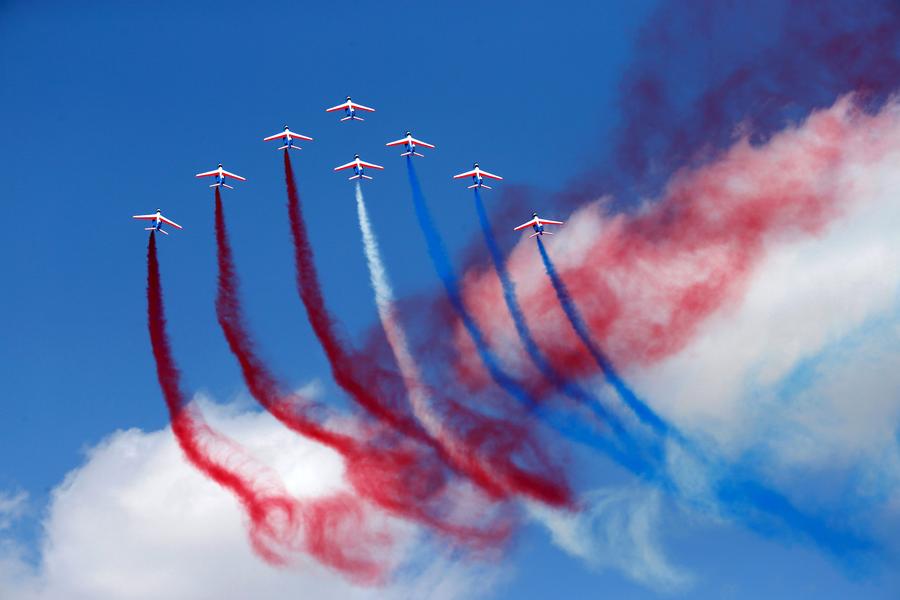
643, 412
537, 356
741, 497
569, 427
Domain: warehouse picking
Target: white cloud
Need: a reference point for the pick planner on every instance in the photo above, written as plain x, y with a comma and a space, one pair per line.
617, 529
732, 382
816, 294
136, 521
12, 506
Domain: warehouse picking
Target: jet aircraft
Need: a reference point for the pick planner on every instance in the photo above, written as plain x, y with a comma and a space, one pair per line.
478, 176
289, 137
359, 167
158, 219
350, 107
538, 224
220, 174
409, 142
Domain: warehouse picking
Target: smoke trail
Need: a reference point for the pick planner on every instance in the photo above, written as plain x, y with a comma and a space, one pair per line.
743, 498
346, 369
643, 412
571, 428
706, 73
534, 352
399, 476
455, 449
331, 525
358, 377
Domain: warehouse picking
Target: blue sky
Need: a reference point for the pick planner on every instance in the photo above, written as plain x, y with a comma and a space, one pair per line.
108, 109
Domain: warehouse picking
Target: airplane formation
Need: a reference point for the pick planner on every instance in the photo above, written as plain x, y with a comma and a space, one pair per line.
289, 141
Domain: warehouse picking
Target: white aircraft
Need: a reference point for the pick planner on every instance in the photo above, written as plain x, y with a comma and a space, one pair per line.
158, 220
289, 137
538, 224
220, 174
477, 176
359, 167
410, 142
350, 107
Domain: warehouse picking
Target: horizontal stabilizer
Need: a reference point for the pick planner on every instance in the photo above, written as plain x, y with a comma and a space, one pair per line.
534, 234
285, 147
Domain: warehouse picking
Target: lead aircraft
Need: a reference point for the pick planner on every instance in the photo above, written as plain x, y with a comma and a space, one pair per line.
158, 219
538, 224
350, 107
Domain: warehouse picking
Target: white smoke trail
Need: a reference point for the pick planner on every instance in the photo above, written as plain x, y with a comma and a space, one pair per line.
396, 337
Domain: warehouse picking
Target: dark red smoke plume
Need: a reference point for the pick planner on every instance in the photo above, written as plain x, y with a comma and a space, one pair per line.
381, 391
395, 473
331, 529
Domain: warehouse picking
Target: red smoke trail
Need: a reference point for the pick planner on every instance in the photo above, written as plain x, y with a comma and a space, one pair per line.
399, 475
330, 529
647, 282
370, 385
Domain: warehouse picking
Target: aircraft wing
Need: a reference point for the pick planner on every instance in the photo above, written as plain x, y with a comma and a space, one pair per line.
361, 107
338, 107
549, 222
370, 165
144, 217
466, 174
421, 143
275, 137
170, 222
490, 175
347, 166
396, 143
526, 225
207, 173
300, 136
238, 177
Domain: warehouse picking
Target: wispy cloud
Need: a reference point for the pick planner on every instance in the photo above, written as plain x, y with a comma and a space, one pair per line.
617, 529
